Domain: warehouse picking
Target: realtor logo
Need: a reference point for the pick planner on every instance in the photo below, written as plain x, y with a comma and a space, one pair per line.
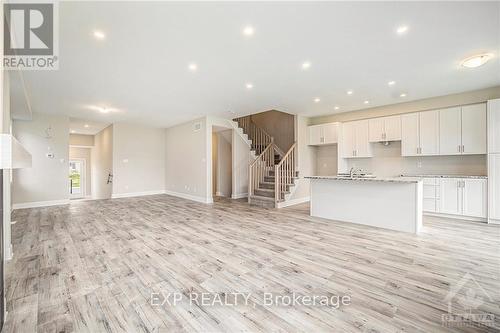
30, 35
470, 295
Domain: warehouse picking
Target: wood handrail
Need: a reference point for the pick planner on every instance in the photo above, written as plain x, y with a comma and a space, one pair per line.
259, 137
291, 150
269, 146
284, 173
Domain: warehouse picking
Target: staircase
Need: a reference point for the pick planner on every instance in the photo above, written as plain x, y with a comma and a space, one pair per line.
272, 174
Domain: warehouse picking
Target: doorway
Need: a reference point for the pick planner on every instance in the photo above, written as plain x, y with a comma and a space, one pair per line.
76, 179
222, 162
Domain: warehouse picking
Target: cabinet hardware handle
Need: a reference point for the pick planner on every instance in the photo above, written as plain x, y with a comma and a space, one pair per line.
463, 148
459, 149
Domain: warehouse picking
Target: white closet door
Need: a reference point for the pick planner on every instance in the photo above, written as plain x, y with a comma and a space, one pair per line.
474, 129
450, 131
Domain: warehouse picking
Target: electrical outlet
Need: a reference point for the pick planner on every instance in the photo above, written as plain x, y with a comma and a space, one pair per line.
419, 164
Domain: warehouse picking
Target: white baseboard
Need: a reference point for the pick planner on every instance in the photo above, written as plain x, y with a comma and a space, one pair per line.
189, 197
35, 204
493, 221
293, 202
136, 194
239, 196
457, 217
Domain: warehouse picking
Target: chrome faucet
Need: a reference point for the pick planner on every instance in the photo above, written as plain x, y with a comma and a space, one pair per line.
354, 171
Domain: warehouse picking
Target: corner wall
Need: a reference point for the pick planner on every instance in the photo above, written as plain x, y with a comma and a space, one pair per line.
138, 160
46, 182
102, 164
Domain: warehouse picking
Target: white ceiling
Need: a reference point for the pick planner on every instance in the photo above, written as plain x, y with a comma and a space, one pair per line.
83, 126
141, 68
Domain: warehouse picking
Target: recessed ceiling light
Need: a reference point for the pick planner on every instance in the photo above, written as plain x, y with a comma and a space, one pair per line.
249, 85
366, 102
248, 30
477, 60
99, 35
402, 95
72, 131
306, 65
317, 100
336, 108
193, 67
401, 30
349, 92
391, 83
104, 110
86, 125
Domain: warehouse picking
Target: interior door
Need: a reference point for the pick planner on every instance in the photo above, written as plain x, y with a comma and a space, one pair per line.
450, 131
475, 197
474, 129
392, 128
76, 179
450, 196
409, 134
429, 132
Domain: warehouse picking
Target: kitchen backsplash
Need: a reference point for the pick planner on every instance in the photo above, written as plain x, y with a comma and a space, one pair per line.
388, 162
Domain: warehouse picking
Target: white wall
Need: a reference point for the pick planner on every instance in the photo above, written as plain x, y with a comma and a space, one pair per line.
84, 154
5, 128
138, 160
47, 180
102, 163
187, 169
306, 161
81, 140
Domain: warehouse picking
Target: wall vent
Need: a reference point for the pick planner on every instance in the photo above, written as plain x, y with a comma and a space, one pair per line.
197, 127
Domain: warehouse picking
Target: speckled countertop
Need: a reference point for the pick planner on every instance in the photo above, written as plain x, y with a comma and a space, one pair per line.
445, 176
360, 179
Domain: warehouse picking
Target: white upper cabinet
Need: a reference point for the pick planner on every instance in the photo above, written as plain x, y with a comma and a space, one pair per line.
450, 131
355, 139
376, 129
314, 135
429, 133
474, 129
385, 129
494, 126
462, 130
393, 128
324, 134
420, 133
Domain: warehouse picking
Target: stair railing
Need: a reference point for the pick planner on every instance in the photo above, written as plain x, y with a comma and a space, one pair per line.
260, 138
260, 168
284, 173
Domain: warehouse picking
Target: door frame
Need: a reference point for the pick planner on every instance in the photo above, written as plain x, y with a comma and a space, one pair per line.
82, 178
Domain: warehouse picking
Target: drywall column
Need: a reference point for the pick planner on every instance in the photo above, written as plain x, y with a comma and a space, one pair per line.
102, 164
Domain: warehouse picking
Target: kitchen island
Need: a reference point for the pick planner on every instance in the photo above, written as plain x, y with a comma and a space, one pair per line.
390, 203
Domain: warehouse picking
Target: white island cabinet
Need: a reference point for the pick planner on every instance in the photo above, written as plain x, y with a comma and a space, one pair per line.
393, 203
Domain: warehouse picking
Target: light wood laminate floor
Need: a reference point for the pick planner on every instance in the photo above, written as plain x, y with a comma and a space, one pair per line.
92, 266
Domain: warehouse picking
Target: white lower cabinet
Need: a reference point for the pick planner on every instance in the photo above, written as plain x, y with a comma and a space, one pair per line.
463, 196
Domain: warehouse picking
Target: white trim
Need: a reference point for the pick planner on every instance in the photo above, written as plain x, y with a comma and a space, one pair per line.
239, 196
458, 217
189, 197
40, 204
136, 194
493, 221
8, 252
293, 202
